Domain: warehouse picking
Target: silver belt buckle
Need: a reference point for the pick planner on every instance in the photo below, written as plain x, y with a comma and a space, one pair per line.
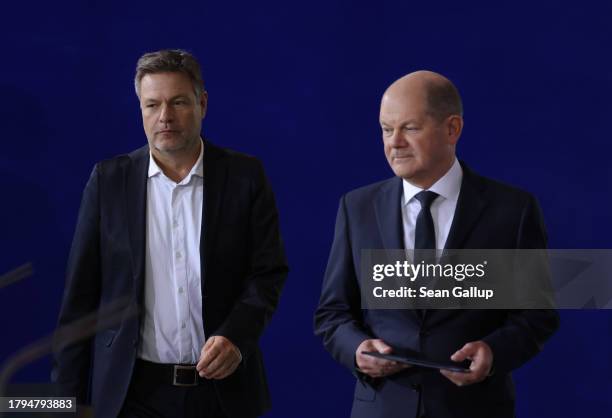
178, 367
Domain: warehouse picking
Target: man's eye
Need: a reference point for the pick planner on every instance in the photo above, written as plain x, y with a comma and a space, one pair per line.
410, 128
180, 102
387, 130
151, 105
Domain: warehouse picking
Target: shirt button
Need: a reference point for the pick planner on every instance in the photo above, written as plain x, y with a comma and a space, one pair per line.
181, 289
175, 223
178, 255
183, 325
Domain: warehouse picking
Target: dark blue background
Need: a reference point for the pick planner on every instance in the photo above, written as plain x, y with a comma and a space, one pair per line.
298, 85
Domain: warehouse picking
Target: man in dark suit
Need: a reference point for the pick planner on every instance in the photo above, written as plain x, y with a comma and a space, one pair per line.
435, 202
187, 232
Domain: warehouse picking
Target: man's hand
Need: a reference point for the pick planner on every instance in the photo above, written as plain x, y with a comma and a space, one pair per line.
218, 359
376, 367
481, 356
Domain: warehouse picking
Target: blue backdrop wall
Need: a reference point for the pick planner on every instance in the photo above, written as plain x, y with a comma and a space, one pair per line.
298, 85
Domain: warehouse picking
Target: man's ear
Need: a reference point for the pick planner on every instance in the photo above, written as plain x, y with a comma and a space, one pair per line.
204, 102
454, 127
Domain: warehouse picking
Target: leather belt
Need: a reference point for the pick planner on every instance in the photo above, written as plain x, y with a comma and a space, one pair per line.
184, 375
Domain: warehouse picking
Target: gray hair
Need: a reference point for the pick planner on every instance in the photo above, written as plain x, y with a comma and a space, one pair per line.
170, 60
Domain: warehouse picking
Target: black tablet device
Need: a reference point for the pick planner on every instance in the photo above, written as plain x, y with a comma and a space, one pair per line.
415, 359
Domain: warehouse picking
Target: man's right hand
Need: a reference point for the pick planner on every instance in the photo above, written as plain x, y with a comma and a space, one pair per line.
376, 367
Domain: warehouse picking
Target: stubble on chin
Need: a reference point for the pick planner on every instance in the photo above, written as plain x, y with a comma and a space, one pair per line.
169, 146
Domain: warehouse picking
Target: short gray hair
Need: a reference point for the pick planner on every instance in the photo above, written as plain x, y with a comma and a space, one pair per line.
172, 61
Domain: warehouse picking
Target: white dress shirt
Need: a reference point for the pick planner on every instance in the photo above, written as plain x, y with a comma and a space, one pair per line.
172, 330
442, 208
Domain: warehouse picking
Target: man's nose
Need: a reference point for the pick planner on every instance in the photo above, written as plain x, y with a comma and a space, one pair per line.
396, 139
166, 114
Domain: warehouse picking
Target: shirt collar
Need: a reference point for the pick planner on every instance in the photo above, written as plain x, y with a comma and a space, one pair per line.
197, 169
448, 186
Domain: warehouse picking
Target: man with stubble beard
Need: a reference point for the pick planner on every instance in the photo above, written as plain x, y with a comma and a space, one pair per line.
189, 233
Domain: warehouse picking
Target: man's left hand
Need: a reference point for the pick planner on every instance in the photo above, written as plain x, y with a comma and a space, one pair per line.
218, 359
481, 356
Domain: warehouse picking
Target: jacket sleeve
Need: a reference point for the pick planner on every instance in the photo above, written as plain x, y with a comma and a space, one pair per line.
338, 318
525, 331
267, 271
71, 364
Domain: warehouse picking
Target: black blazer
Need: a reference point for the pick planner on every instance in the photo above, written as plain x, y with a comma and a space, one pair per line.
243, 271
489, 215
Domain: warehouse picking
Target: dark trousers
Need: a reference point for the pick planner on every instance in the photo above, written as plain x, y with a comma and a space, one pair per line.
147, 398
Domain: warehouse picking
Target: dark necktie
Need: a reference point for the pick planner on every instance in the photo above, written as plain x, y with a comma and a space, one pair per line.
424, 234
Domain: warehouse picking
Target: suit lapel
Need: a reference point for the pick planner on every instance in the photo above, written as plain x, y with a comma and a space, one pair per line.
469, 208
389, 214
136, 200
388, 207
215, 175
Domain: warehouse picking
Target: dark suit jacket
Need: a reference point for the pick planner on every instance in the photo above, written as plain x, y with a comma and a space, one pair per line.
489, 215
243, 271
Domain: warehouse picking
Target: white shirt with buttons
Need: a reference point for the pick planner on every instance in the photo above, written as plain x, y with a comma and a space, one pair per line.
172, 330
